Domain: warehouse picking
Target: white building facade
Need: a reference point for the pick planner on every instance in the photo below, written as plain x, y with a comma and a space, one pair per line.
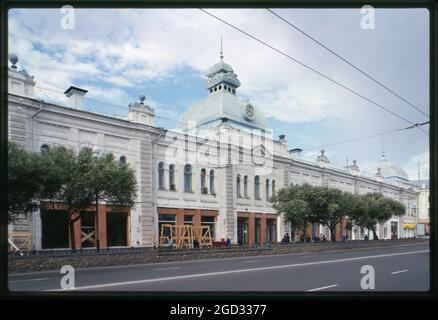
218, 167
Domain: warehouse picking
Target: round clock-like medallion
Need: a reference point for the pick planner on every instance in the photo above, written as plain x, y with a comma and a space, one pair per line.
249, 112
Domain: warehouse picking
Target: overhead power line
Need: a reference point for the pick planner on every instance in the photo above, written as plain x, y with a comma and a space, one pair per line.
60, 92
313, 70
347, 62
416, 125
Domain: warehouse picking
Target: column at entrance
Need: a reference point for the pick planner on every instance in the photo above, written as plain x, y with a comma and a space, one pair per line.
101, 216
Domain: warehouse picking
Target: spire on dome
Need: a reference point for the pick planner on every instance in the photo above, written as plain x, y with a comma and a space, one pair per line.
222, 53
221, 76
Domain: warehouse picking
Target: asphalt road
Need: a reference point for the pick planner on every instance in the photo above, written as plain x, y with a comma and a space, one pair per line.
396, 268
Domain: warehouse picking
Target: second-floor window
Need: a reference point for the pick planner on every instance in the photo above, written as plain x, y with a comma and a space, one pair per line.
257, 187
44, 149
172, 185
212, 191
267, 190
188, 178
238, 186
203, 177
245, 186
161, 176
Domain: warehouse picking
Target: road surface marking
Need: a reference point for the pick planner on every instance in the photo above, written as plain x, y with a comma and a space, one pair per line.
24, 280
396, 272
251, 261
313, 255
199, 275
173, 268
322, 288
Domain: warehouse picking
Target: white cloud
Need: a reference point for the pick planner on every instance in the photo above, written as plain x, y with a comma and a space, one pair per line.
118, 51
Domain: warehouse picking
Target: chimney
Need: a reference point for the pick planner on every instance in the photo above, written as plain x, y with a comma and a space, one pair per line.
75, 96
296, 153
141, 113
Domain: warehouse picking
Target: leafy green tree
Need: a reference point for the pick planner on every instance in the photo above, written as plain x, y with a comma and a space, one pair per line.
375, 208
328, 207
25, 180
82, 180
290, 201
111, 182
67, 183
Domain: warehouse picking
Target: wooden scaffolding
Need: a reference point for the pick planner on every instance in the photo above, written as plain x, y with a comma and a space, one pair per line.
183, 236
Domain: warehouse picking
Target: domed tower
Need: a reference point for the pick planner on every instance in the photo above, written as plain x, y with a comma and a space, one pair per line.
222, 107
387, 170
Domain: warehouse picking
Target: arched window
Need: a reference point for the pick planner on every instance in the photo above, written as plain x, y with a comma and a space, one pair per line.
172, 185
267, 190
238, 186
245, 186
122, 160
161, 175
273, 187
44, 149
257, 187
212, 182
188, 178
203, 187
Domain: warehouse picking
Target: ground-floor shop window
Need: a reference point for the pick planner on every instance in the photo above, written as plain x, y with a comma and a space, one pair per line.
270, 230
394, 230
188, 220
242, 231
117, 229
257, 228
209, 221
54, 229
165, 219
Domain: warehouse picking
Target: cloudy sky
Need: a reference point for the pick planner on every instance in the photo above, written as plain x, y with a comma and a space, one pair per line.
119, 54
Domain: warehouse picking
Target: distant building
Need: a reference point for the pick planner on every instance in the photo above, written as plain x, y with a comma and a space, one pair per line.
422, 187
219, 167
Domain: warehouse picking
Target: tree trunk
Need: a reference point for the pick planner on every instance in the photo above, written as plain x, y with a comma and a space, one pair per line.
332, 233
304, 232
71, 225
376, 237
97, 225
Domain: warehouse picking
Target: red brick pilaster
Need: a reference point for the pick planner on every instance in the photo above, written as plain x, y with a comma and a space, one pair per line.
251, 229
101, 216
263, 229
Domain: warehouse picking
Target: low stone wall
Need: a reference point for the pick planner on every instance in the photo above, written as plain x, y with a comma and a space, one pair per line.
86, 259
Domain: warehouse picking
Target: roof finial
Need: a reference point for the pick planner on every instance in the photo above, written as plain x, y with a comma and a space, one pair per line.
222, 54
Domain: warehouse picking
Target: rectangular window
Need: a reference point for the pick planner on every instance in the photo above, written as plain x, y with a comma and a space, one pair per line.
54, 228
188, 220
270, 230
209, 221
117, 229
165, 219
